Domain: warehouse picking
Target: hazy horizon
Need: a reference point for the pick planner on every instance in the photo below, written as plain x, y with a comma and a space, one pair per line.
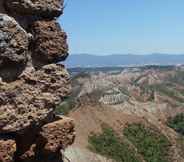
87, 60
121, 54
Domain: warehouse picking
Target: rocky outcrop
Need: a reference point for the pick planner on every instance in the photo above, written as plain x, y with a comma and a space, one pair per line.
58, 135
49, 42
45, 8
52, 138
32, 98
13, 47
32, 84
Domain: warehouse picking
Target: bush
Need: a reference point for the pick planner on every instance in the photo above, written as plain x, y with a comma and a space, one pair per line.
178, 77
151, 145
65, 107
177, 123
109, 145
169, 91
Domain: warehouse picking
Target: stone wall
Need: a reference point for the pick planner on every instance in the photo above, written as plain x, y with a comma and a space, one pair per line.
32, 84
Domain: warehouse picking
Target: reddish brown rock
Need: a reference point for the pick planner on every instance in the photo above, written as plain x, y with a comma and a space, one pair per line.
50, 42
31, 83
52, 138
7, 150
31, 100
56, 135
45, 8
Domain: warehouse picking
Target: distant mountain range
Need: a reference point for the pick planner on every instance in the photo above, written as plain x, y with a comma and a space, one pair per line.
89, 60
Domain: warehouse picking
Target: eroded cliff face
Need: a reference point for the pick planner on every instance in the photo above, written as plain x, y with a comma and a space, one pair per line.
32, 84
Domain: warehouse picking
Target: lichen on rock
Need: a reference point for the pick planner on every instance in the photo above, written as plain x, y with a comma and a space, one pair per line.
14, 44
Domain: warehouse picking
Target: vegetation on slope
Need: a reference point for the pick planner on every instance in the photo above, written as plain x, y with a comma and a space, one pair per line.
166, 89
110, 145
178, 77
153, 146
66, 106
180, 145
170, 91
177, 123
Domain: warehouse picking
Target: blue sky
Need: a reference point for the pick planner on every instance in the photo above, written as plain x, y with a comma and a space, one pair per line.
124, 26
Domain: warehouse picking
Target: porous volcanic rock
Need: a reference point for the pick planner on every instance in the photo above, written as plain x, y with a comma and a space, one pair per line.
56, 135
32, 99
30, 156
51, 139
14, 42
7, 150
32, 84
45, 8
50, 43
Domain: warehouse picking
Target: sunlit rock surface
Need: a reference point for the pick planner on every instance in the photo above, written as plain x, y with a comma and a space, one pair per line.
14, 44
7, 149
45, 8
49, 42
32, 84
31, 99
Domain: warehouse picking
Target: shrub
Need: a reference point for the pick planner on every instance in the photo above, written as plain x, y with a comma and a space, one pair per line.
178, 77
110, 145
177, 123
151, 145
65, 107
169, 91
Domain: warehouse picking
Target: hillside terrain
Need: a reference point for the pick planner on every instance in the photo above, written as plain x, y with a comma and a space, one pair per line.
118, 109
